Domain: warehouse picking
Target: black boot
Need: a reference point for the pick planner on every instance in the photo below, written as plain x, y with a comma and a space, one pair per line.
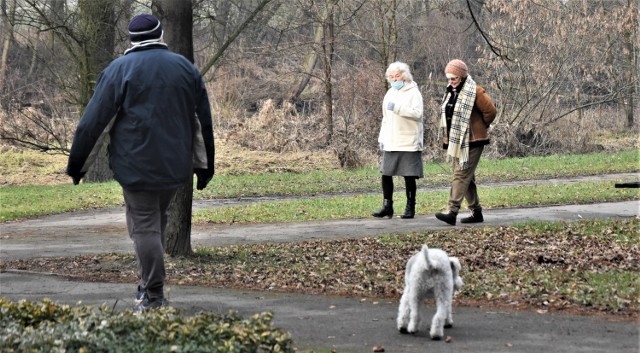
386, 210
449, 217
410, 209
476, 217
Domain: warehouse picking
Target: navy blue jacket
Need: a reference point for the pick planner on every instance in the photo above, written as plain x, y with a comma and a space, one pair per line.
147, 100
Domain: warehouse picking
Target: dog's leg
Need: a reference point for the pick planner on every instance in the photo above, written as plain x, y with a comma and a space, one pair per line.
437, 324
414, 312
403, 312
448, 323
443, 294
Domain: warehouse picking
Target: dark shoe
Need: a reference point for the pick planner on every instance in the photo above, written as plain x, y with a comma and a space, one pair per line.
476, 217
386, 210
410, 210
149, 304
449, 217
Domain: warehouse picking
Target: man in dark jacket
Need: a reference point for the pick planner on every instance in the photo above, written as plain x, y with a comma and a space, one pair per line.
155, 108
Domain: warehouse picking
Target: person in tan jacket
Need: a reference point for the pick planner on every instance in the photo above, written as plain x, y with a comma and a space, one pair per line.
465, 117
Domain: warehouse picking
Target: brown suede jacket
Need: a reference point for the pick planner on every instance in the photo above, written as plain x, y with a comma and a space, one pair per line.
482, 115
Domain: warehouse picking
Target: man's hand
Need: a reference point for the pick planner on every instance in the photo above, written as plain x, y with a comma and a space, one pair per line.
76, 177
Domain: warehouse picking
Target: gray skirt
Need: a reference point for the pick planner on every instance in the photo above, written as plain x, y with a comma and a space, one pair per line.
402, 164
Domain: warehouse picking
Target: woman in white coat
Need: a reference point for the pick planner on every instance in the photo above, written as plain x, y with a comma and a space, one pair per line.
401, 138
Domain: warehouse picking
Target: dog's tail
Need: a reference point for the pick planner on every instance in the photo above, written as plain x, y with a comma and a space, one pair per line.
455, 268
425, 253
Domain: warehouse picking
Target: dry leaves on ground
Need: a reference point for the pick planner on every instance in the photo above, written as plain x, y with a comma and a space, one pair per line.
587, 266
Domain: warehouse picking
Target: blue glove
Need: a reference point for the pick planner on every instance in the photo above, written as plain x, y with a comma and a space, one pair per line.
390, 105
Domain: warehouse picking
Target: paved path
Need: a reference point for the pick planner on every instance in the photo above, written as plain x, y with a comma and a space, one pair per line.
318, 322
99, 231
353, 325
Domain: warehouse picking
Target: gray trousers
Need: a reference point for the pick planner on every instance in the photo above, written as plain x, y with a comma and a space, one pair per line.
146, 213
463, 185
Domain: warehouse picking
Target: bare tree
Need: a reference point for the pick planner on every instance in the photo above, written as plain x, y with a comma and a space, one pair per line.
7, 16
328, 48
631, 35
545, 62
69, 45
310, 62
234, 35
177, 18
97, 20
554, 58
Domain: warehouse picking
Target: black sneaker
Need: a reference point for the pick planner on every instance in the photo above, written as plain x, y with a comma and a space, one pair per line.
149, 303
140, 295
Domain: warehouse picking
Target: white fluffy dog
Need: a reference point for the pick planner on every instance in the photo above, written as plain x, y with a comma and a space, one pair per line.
429, 271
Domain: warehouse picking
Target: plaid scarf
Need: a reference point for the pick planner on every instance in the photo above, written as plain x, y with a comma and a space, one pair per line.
459, 133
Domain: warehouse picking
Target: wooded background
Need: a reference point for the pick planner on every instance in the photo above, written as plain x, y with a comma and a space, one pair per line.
308, 75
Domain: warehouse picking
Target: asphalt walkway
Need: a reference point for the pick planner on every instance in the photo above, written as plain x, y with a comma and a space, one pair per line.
321, 323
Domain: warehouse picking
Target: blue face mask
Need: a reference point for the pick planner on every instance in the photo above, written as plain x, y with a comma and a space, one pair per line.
397, 84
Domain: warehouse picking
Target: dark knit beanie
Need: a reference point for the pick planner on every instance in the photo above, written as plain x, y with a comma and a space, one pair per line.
456, 67
144, 27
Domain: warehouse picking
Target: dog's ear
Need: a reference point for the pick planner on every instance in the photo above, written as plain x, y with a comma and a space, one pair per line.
425, 248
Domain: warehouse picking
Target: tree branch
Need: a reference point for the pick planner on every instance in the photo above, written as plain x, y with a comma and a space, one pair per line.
233, 37
494, 49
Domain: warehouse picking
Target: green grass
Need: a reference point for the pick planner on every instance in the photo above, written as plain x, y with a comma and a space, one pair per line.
19, 202
306, 209
435, 174
540, 287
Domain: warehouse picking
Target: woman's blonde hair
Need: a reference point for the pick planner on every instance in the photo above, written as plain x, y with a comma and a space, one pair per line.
400, 67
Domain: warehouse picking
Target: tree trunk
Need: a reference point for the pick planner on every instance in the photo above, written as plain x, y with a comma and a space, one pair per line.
99, 21
631, 59
329, 52
309, 66
7, 16
178, 232
388, 35
177, 22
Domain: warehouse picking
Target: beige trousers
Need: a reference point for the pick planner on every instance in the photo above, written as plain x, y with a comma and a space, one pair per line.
463, 185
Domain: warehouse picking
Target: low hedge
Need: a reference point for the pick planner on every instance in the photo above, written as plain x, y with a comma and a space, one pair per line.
46, 326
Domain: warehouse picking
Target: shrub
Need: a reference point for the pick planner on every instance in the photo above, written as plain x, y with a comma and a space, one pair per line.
49, 327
